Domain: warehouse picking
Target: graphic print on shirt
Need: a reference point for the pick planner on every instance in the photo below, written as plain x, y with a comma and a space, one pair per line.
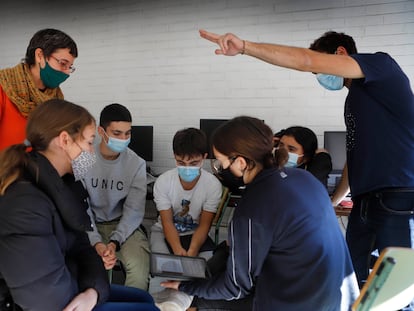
350, 122
107, 184
182, 220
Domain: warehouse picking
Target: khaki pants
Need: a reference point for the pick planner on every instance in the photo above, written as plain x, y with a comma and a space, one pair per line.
134, 255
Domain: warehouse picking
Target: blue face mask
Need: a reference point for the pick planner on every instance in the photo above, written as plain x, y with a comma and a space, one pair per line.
188, 173
293, 160
330, 82
116, 144
52, 78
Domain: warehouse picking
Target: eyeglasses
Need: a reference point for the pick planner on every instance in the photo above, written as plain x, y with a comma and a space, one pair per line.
64, 64
217, 167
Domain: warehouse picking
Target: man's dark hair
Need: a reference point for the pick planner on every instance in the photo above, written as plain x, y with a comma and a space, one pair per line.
114, 113
331, 40
49, 40
190, 142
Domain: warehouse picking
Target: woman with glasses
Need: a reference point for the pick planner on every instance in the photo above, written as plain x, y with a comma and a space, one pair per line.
48, 62
285, 245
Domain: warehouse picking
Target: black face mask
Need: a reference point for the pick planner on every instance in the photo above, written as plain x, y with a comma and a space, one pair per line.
234, 183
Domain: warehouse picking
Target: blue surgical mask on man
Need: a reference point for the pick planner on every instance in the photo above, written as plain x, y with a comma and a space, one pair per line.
188, 173
292, 160
116, 144
330, 82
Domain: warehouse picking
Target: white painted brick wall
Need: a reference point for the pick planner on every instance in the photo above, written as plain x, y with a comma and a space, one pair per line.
148, 56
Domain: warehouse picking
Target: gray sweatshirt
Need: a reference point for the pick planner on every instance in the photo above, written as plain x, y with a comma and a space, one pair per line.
117, 190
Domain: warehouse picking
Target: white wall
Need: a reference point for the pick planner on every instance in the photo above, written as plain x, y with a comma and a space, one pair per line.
148, 56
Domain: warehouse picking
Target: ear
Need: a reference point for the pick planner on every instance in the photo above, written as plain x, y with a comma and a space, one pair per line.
40, 57
64, 139
341, 50
241, 163
101, 131
205, 156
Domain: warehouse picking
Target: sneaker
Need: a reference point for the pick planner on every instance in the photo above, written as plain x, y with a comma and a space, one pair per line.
172, 300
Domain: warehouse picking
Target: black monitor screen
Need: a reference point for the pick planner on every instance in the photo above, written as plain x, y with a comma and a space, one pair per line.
208, 126
142, 141
335, 143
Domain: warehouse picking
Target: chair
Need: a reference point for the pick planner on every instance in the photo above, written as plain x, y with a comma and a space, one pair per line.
117, 274
225, 196
224, 212
390, 285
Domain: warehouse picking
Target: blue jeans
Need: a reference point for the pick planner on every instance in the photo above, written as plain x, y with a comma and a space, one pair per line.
378, 220
127, 299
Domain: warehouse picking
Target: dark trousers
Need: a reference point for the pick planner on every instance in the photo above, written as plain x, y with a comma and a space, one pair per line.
121, 298
127, 299
379, 220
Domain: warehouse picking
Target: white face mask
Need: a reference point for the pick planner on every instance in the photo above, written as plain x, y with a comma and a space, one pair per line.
82, 163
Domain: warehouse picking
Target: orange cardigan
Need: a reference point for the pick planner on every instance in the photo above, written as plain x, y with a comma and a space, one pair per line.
12, 123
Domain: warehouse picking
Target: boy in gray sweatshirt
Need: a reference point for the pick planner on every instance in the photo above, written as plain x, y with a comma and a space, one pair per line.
117, 186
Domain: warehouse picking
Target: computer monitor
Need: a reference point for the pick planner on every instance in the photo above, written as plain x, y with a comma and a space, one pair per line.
142, 137
208, 126
335, 143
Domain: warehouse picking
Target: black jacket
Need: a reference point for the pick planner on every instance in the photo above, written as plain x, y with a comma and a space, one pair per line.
45, 255
286, 245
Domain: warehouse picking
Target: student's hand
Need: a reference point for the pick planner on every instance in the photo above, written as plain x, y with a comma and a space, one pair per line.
109, 263
100, 248
229, 44
107, 253
110, 249
109, 256
85, 301
180, 252
192, 252
171, 284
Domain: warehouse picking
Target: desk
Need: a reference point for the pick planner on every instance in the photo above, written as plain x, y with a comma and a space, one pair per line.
342, 211
342, 214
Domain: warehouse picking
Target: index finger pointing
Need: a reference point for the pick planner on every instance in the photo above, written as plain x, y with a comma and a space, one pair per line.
209, 35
